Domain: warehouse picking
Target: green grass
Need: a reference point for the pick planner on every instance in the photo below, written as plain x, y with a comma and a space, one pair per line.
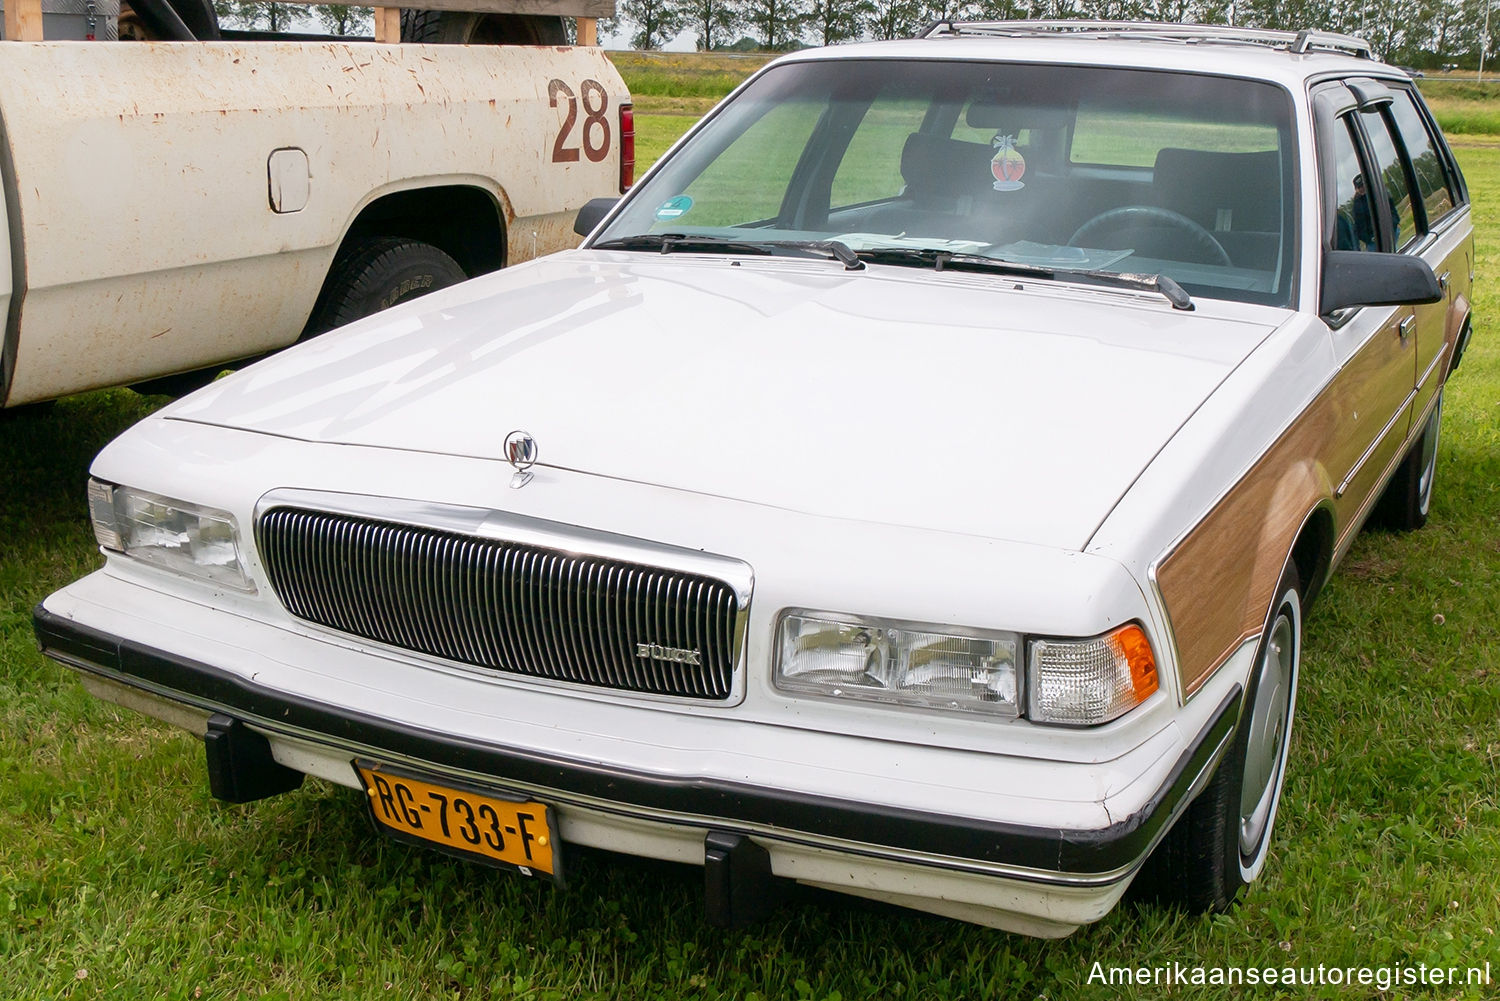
701, 74
1462, 106
121, 878
1467, 117
654, 134
673, 90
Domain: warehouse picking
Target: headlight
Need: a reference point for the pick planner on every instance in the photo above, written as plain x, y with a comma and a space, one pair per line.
191, 540
1090, 681
858, 658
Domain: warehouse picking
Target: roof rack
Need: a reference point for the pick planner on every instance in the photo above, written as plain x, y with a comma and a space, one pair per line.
1297, 42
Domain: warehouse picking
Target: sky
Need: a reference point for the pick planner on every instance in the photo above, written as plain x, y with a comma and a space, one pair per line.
685, 41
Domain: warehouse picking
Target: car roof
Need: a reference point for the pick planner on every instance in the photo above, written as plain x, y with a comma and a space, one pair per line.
1283, 57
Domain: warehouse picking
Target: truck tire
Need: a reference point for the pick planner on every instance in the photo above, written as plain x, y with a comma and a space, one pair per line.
451, 27
376, 274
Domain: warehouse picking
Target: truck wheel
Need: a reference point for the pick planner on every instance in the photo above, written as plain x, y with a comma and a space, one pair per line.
453, 27
1219, 845
376, 274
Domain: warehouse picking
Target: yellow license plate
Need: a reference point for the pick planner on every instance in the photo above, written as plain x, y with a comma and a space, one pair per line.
469, 822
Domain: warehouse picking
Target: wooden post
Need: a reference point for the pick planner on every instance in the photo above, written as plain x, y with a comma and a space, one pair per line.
23, 20
388, 24
588, 31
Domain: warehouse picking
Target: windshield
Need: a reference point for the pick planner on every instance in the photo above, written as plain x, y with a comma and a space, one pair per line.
1063, 168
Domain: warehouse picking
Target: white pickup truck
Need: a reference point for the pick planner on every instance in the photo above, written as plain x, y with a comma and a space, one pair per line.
173, 206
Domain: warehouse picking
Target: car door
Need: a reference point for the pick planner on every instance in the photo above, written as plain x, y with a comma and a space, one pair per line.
1376, 345
1444, 237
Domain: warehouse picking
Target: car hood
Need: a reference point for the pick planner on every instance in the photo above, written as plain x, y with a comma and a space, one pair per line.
956, 402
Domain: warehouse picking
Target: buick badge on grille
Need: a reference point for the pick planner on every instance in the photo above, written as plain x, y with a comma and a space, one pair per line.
670, 654
520, 452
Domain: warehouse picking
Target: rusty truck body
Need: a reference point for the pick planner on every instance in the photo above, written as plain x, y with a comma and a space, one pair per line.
170, 207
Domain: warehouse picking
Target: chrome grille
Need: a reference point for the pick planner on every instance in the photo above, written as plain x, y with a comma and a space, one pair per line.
504, 606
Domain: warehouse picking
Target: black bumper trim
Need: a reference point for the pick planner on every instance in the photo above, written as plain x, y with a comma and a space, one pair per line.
1101, 852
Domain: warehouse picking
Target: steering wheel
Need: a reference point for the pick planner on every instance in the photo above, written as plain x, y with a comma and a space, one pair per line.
1210, 250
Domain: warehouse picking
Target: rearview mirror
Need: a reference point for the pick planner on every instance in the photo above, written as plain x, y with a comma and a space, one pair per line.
592, 213
1363, 278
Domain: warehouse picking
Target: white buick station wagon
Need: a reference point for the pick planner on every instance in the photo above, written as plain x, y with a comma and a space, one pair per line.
914, 487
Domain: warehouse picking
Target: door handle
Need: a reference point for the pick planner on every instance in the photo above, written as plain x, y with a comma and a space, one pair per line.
1406, 327
1443, 280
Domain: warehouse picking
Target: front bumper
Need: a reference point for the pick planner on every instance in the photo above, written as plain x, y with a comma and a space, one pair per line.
970, 863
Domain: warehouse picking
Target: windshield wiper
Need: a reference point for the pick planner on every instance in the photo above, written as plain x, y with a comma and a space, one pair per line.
666, 243
1174, 293
832, 248
941, 260
947, 260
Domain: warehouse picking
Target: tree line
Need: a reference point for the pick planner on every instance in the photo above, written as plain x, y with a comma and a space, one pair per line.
1426, 34
334, 18
1418, 33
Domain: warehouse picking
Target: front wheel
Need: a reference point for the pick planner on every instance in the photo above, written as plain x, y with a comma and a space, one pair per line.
1219, 845
376, 274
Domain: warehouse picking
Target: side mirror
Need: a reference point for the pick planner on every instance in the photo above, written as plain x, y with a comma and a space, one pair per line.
1365, 278
592, 213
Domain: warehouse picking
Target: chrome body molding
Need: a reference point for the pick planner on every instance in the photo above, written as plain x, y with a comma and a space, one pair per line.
1374, 446
1346, 538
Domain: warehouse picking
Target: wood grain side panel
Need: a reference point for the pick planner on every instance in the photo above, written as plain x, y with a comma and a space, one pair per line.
1371, 393
1217, 583
1456, 317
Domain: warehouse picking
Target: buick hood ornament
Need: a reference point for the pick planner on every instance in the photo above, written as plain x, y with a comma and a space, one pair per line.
520, 452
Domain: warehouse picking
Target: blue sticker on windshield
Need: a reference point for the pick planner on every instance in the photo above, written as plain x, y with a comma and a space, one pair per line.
674, 207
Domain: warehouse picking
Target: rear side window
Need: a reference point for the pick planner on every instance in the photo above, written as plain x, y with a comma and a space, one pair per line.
1432, 182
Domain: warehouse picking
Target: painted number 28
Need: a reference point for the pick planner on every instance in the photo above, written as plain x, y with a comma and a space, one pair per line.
595, 125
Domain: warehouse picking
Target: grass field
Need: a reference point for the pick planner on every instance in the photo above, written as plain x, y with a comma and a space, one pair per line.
120, 877
685, 74
1463, 106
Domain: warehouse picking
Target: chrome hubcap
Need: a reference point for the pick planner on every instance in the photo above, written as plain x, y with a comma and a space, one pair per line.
1265, 751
